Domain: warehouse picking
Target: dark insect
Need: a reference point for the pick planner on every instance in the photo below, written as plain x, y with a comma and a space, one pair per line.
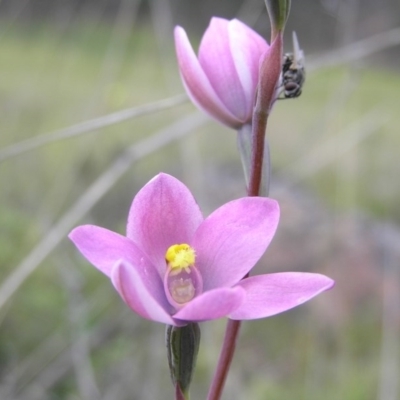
293, 72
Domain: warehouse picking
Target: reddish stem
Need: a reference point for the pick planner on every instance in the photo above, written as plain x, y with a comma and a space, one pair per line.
270, 71
232, 327
225, 360
258, 139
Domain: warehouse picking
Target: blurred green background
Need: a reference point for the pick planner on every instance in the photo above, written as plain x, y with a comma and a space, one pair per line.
64, 332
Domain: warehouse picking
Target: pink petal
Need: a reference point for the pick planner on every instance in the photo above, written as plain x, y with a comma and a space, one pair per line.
142, 293
103, 248
247, 47
163, 213
216, 59
274, 293
210, 305
233, 238
197, 84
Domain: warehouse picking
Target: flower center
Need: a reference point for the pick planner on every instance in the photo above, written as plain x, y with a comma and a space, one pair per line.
182, 281
180, 256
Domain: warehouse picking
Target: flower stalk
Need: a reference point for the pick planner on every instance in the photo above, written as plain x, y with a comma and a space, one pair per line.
225, 360
259, 157
244, 143
270, 71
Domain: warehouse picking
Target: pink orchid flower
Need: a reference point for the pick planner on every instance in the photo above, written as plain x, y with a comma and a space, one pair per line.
223, 79
175, 267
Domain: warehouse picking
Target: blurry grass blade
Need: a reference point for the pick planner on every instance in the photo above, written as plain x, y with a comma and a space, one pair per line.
388, 387
355, 51
92, 195
77, 318
330, 150
89, 126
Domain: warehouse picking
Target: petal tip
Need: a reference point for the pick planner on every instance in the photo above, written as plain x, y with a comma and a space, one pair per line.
78, 233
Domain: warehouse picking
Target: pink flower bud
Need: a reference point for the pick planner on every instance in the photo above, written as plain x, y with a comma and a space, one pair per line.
222, 80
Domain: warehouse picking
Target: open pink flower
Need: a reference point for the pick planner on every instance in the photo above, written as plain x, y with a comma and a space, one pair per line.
175, 267
223, 79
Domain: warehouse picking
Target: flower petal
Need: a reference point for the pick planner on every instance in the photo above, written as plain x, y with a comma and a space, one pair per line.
103, 248
216, 59
210, 305
233, 238
274, 293
197, 84
142, 293
163, 213
247, 47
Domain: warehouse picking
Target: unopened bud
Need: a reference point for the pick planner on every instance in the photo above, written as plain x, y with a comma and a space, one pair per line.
278, 11
182, 348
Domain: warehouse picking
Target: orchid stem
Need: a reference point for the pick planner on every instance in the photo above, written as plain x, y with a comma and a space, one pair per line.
258, 140
259, 155
254, 187
225, 360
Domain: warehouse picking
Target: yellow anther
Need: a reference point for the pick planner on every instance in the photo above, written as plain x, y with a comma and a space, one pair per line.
180, 256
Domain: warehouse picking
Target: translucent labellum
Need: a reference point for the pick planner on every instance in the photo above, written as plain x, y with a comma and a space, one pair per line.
182, 281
